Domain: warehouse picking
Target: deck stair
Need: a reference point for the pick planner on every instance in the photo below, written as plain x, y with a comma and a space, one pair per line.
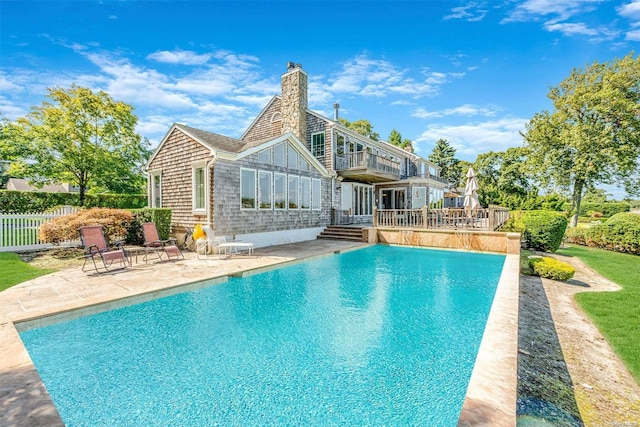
337, 232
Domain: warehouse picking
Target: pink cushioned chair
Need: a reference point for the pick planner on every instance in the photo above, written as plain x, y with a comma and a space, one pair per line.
152, 240
95, 246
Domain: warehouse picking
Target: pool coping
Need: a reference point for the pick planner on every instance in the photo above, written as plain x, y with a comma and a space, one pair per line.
486, 402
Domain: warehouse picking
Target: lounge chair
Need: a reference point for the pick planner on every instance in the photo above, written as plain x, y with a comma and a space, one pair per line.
95, 245
212, 243
152, 241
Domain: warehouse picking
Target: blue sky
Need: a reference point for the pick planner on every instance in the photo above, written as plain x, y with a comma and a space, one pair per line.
473, 72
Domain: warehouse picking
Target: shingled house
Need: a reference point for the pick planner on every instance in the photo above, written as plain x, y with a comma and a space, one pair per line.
290, 174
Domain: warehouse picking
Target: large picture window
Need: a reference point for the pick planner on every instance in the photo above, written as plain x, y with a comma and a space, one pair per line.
198, 187
317, 144
279, 191
264, 156
292, 157
293, 191
264, 190
279, 156
316, 195
305, 193
248, 188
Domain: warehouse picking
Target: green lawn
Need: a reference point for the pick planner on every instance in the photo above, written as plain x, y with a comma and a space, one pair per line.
617, 314
15, 271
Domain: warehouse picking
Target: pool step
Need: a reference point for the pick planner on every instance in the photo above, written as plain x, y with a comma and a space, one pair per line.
337, 232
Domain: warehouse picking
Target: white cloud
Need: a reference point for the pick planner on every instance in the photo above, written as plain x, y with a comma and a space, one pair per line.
569, 28
473, 11
630, 10
378, 78
8, 86
11, 110
556, 15
462, 110
633, 35
471, 139
532, 10
183, 57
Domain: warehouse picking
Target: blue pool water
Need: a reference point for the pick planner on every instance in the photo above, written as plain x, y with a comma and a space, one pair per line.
378, 336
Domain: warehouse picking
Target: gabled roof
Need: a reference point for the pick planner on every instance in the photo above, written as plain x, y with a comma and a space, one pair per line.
212, 140
234, 149
20, 184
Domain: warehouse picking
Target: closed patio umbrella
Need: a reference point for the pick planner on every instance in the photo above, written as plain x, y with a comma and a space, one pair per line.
471, 202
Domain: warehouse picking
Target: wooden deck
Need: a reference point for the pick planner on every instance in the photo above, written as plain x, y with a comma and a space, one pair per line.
489, 219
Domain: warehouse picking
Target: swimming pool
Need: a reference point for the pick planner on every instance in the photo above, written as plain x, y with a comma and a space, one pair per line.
382, 335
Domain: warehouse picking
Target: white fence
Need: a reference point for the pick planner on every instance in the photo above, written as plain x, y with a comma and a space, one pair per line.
19, 232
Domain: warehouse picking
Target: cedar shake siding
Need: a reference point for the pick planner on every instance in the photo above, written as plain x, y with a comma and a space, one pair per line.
317, 124
267, 125
227, 158
174, 159
230, 219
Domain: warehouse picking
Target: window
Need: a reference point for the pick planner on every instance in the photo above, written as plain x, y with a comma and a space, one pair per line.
247, 189
419, 198
304, 165
264, 190
264, 156
279, 155
198, 187
279, 191
156, 190
293, 191
316, 202
317, 144
305, 193
292, 157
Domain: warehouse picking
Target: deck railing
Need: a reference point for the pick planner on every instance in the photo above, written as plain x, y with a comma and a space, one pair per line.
479, 219
20, 231
364, 159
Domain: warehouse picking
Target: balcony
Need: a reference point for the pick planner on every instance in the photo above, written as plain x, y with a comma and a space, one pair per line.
367, 167
426, 175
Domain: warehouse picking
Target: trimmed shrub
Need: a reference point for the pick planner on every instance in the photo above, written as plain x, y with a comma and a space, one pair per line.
39, 201
620, 233
543, 230
162, 218
576, 235
551, 268
607, 209
514, 223
114, 221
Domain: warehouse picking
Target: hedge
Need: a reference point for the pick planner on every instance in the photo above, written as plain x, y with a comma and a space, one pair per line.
605, 208
162, 218
551, 268
620, 233
514, 223
118, 224
115, 222
543, 230
40, 201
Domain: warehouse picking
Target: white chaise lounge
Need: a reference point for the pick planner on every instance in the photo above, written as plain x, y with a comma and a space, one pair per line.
212, 243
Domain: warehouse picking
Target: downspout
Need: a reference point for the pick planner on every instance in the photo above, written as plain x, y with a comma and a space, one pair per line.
209, 186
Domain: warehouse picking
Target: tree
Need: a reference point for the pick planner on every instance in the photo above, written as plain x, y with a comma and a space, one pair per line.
395, 138
443, 155
503, 179
593, 135
82, 138
363, 127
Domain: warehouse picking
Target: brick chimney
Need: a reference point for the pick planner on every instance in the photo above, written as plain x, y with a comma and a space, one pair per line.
294, 101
